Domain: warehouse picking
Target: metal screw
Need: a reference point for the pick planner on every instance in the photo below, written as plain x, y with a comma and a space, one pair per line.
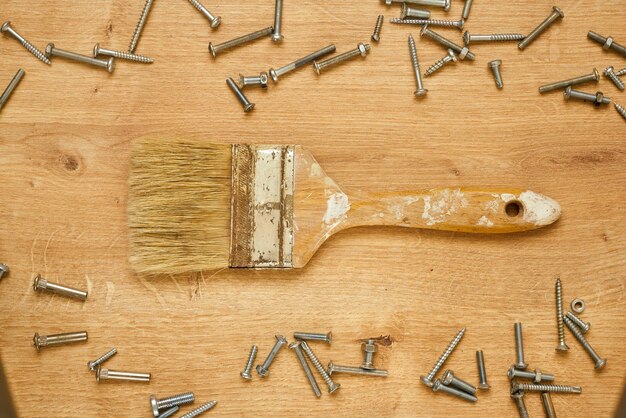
428, 380
450, 57
466, 9
215, 20
305, 366
166, 403
582, 325
449, 379
537, 376
436, 3
495, 68
257, 80
334, 368
104, 374
361, 49
594, 76
314, 336
246, 371
216, 49
3, 99
610, 73
599, 362
332, 386
597, 99
199, 410
95, 363
42, 284
548, 406
97, 50
433, 22
518, 397
408, 11
421, 91
57, 339
482, 373
140, 24
369, 348
263, 369
607, 43
462, 51
169, 412
300, 62
51, 50
519, 347
278, 16
620, 109
6, 27
492, 37
530, 387
4, 269
379, 25
247, 106
558, 292
621, 72
556, 14
438, 386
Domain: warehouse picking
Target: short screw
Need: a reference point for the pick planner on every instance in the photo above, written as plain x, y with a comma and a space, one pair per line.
439, 386
432, 22
594, 76
42, 284
450, 57
6, 27
518, 397
548, 406
257, 80
106, 374
300, 62
466, 9
140, 24
556, 14
607, 43
264, 369
610, 73
493, 37
597, 99
462, 51
278, 16
109, 64
199, 410
369, 348
334, 368
3, 99
495, 68
558, 292
57, 339
247, 106
170, 412
537, 376
582, 325
215, 20
361, 49
482, 373
166, 403
98, 50
408, 11
216, 49
428, 379
620, 109
421, 91
314, 336
377, 28
305, 366
449, 379
95, 363
436, 3
531, 387
599, 362
332, 386
246, 373
4, 269
519, 347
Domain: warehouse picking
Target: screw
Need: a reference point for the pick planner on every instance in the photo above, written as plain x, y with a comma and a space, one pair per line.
42, 284
369, 348
169, 412
547, 405
377, 27
247, 106
621, 72
51, 50
438, 386
607, 43
610, 73
466, 9
305, 366
278, 16
104, 374
332, 386
4, 269
519, 347
493, 37
428, 380
257, 80
6, 27
215, 20
433, 22
97, 50
313, 336
537, 376
450, 57
558, 291
361, 49
482, 373
58, 339
95, 363
556, 14
300, 62
334, 368
408, 11
518, 397
199, 410
599, 362
140, 24
582, 325
216, 49
495, 68
594, 76
246, 371
263, 369
597, 99
3, 99
436, 3
462, 51
530, 387
165, 403
449, 379
421, 91
620, 109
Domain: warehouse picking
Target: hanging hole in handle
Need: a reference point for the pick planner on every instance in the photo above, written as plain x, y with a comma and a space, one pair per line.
513, 208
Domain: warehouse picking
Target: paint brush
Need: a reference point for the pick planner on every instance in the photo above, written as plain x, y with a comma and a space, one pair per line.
199, 206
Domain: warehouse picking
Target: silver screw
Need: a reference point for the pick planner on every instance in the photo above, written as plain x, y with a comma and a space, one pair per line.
466, 9
106, 374
594, 76
199, 410
3, 99
436, 3
361, 49
450, 57
300, 62
332, 386
334, 368
42, 284
495, 69
247, 106
449, 379
492, 37
257, 80
4, 269
97, 50
305, 366
263, 369
169, 412
597, 99
548, 406
215, 20
377, 28
556, 14
51, 50
421, 91
57, 339
620, 109
432, 22
428, 379
408, 11
246, 373
6, 27
610, 73
439, 386
558, 292
165, 403
599, 362
530, 387
216, 49
537, 376
582, 325
519, 347
607, 43
95, 363
278, 17
621, 72
369, 348
462, 51
518, 397
482, 373
314, 336
140, 24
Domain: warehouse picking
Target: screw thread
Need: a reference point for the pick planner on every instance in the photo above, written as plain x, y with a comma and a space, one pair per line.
559, 315
316, 363
615, 79
92, 364
621, 72
530, 387
199, 410
521, 406
251, 358
131, 57
414, 60
377, 28
599, 362
446, 354
507, 37
620, 109
432, 22
33, 50
436, 66
171, 401
140, 24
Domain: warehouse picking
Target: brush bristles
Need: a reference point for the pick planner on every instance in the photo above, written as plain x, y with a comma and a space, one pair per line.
179, 206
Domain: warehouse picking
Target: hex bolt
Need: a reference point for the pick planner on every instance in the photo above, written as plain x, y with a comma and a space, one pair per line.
531, 387
98, 50
607, 43
6, 27
3, 99
435, 3
558, 289
449, 379
42, 284
165, 403
432, 22
332, 386
95, 363
58, 339
594, 76
497, 75
462, 51
301, 62
361, 49
597, 99
305, 366
106, 374
482, 372
466, 9
369, 348
421, 91
247, 106
492, 37
109, 64
621, 72
278, 17
518, 397
215, 20
408, 11
200, 410
428, 379
610, 73
216, 49
582, 325
450, 57
334, 368
537, 376
170, 412
548, 406
620, 109
543, 26
439, 386
314, 336
599, 362
519, 347
264, 369
377, 28
257, 80
140, 25
246, 372
4, 269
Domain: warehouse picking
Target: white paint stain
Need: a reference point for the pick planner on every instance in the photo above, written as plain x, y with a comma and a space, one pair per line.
316, 170
484, 221
507, 197
447, 202
539, 209
337, 206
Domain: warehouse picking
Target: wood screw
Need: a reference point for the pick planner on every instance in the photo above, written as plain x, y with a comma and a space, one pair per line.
6, 27
428, 379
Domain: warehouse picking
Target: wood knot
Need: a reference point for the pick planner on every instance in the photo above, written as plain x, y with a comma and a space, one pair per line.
69, 162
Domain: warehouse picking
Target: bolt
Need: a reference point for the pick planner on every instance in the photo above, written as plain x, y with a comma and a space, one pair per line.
599, 362
462, 51
377, 27
51, 50
199, 410
558, 291
537, 376
97, 50
530, 387
313, 336
246, 371
216, 49
263, 369
438, 386
620, 109
607, 43
278, 16
257, 80
450, 57
3, 99
597, 99
4, 269
140, 24
421, 91
433, 22
361, 49
369, 348
408, 11
436, 3
215, 20
482, 373
519, 347
42, 284
300, 62
582, 325
332, 386
247, 106
6, 27
169, 412
104, 374
166, 403
547, 405
95, 363
621, 72
610, 73
493, 37
58, 339
466, 9
556, 14
334, 368
495, 68
428, 379
449, 379
518, 397
305, 366
594, 76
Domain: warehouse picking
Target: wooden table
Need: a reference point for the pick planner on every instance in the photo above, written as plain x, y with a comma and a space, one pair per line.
65, 138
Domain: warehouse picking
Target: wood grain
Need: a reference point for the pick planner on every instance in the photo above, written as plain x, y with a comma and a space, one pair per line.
65, 139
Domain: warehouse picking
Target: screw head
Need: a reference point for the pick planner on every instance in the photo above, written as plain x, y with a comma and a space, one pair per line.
261, 371
4, 269
98, 371
452, 55
447, 5
273, 74
212, 49
484, 386
466, 38
567, 93
511, 372
5, 26
96, 50
596, 74
329, 337
281, 339
600, 363
608, 70
462, 25
241, 77
36, 282
515, 390
333, 387
92, 365
404, 11
277, 37
563, 347
245, 375
427, 382
423, 30
48, 50
248, 107
154, 405
36, 341
294, 344
420, 92
110, 64
521, 366
436, 385
216, 22
495, 63
559, 11
264, 79
331, 368
375, 37
316, 67
517, 395
447, 377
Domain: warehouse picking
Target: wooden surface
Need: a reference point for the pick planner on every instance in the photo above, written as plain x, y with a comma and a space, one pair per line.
65, 138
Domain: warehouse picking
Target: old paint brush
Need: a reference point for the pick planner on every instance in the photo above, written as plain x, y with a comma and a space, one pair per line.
198, 206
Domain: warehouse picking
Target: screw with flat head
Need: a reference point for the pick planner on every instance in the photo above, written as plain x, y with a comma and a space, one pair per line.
95, 363
165, 403
593, 76
300, 62
332, 386
263, 369
314, 336
140, 25
493, 37
558, 292
248, 368
497, 75
43, 284
216, 49
106, 374
57, 339
256, 80
482, 372
335, 368
449, 379
428, 379
247, 106
582, 325
98, 50
200, 410
463, 51
450, 57
519, 347
610, 73
607, 43
361, 49
408, 11
377, 28
215, 20
6, 27
518, 397
543, 26
295, 346
530, 387
4, 269
599, 361
597, 99
439, 386
278, 17
537, 376
421, 91
51, 50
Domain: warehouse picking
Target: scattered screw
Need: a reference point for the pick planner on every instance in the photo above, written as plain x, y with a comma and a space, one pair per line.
314, 336
530, 387
610, 73
332, 386
597, 99
537, 376
547, 405
558, 290
519, 347
369, 348
428, 379
556, 14
42, 284
3, 99
247, 106
278, 15
620, 109
199, 410
58, 339
436, 3
4, 269
305, 366
104, 374
607, 43
169, 412
216, 49
408, 11
466, 9
450, 57
334, 368
599, 362
482, 373
462, 51
140, 24
495, 68
6, 27
361, 49
582, 325
215, 20
493, 37
97, 50
518, 397
257, 80
51, 50
263, 369
377, 27
594, 76
449, 379
170, 401
246, 371
300, 62
421, 91
95, 363
438, 386
432, 22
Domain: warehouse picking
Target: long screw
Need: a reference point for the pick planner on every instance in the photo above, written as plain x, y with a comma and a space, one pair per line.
57, 339
610, 73
519, 347
530, 387
200, 410
428, 379
548, 406
482, 372
492, 37
497, 75
436, 3
215, 20
466, 9
109, 64
314, 336
335, 368
247, 106
377, 28
300, 62
140, 25
597, 99
106, 374
264, 369
95, 363
216, 49
305, 366
361, 49
246, 373
594, 76
6, 27
332, 386
433, 22
620, 109
518, 397
166, 403
278, 17
607, 43
439, 386
537, 376
449, 379
558, 293
599, 361
408, 11
170, 412
462, 51
3, 99
98, 50
582, 325
450, 57
543, 26
42, 284
421, 91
